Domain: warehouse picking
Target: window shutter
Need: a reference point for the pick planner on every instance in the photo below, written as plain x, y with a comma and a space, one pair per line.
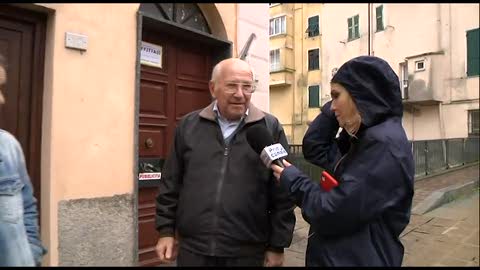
355, 26
473, 54
313, 62
310, 60
313, 29
313, 96
350, 29
379, 12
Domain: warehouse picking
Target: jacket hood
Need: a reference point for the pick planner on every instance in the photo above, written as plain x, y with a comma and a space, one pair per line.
374, 87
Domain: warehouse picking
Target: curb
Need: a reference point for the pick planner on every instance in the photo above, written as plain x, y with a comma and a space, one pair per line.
445, 195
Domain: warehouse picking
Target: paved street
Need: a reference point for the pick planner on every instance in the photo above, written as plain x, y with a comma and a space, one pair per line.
446, 236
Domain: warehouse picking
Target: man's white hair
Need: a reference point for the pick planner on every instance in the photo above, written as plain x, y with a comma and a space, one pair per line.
217, 70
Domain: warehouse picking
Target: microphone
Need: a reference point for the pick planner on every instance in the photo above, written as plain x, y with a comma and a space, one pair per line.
261, 141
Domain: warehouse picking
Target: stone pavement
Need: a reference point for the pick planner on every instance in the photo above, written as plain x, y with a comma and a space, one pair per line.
430, 239
446, 236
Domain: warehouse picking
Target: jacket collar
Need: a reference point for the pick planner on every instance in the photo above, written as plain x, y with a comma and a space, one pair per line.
254, 113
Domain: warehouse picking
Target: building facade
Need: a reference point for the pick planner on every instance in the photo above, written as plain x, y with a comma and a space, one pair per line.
295, 66
93, 94
433, 48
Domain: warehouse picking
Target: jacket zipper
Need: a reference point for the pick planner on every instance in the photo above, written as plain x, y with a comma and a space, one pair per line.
217, 198
340, 160
334, 169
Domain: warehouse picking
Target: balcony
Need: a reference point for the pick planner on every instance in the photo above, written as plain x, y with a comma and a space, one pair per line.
281, 9
281, 76
424, 83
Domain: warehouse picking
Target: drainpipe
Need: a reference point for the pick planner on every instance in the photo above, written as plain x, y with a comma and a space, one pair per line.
295, 77
440, 104
413, 123
450, 56
302, 91
368, 5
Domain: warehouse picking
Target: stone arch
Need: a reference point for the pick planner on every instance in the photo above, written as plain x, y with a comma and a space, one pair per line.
201, 17
214, 20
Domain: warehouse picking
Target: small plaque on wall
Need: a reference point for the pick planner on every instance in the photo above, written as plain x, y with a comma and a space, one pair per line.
151, 55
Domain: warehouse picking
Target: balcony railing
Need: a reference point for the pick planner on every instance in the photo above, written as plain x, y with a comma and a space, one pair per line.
430, 156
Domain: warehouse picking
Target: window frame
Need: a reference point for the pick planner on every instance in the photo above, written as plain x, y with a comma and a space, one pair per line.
319, 87
404, 79
471, 131
354, 33
382, 18
275, 66
318, 26
468, 57
279, 17
418, 62
308, 59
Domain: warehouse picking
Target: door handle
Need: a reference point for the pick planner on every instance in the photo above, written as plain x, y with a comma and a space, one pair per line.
149, 143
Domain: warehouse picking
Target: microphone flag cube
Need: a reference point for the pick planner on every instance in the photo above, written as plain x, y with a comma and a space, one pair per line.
271, 153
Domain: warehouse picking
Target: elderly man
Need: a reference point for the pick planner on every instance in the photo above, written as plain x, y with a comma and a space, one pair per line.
19, 236
218, 205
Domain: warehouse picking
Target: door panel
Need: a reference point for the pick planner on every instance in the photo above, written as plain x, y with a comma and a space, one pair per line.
22, 43
166, 94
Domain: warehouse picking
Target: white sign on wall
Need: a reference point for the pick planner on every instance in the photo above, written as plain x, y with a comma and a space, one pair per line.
150, 176
151, 54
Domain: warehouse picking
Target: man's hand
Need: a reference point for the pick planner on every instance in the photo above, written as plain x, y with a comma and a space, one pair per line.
273, 259
277, 170
167, 249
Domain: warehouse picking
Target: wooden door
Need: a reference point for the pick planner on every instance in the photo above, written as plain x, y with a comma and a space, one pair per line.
22, 41
166, 94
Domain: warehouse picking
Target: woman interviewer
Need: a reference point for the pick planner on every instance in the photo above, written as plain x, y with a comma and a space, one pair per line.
357, 223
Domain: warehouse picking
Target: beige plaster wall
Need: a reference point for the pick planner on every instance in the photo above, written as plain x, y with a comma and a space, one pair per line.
88, 147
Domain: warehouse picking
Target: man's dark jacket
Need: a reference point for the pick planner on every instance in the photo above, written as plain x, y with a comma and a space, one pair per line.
220, 198
359, 222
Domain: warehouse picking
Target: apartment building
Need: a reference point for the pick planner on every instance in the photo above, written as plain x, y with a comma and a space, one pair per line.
295, 66
94, 92
434, 48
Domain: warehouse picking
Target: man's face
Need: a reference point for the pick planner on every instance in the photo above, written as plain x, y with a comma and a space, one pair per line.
3, 79
233, 90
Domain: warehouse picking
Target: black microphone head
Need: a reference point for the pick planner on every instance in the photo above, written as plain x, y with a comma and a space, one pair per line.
258, 137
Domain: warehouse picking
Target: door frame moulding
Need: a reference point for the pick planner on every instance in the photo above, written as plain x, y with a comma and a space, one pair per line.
223, 49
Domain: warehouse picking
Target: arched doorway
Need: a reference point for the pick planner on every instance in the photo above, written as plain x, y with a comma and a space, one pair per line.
176, 55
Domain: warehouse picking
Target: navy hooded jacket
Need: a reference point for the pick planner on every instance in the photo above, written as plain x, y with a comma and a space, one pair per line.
358, 223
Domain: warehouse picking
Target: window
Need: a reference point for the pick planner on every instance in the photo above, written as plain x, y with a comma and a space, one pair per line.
353, 31
313, 59
473, 122
404, 79
420, 65
189, 14
473, 54
379, 15
314, 96
275, 60
278, 26
313, 29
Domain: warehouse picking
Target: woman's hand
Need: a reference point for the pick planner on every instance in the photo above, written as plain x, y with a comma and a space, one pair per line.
277, 170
